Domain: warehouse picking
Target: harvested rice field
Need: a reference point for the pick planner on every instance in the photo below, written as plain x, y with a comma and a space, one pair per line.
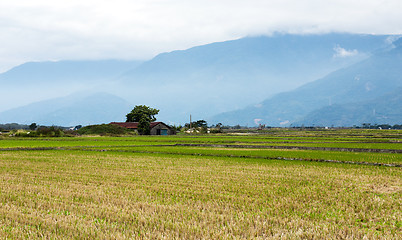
279, 185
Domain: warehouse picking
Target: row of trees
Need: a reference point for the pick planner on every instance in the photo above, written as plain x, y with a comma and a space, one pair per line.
379, 126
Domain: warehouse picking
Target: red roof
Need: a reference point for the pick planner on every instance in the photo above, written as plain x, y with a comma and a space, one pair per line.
133, 125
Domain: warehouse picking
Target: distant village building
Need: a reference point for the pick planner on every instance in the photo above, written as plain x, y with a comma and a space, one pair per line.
157, 128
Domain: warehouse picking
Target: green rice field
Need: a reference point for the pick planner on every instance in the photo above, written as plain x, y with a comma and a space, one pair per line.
282, 184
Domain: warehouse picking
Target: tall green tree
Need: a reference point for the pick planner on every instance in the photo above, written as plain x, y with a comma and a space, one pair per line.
144, 115
144, 127
33, 126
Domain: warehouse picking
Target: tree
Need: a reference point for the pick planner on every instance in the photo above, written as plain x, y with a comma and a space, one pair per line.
33, 126
197, 124
141, 111
144, 115
201, 123
144, 127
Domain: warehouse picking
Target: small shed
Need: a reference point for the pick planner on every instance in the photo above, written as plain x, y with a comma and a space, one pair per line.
156, 128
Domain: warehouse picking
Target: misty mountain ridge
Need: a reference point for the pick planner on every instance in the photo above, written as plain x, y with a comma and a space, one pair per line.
82, 108
385, 109
364, 81
62, 72
213, 78
210, 79
36, 81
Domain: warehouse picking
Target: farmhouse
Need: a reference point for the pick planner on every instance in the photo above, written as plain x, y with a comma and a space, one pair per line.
157, 128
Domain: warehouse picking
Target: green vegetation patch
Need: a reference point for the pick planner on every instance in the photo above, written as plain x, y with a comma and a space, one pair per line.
103, 129
285, 154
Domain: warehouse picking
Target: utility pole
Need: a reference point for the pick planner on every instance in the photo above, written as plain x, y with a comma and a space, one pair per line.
190, 121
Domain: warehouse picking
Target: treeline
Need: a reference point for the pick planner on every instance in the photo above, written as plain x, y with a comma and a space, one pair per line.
13, 126
18, 130
33, 130
40, 132
379, 126
17, 126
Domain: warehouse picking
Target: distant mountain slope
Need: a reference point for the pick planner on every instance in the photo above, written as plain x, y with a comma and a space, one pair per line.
35, 81
369, 79
386, 109
72, 110
217, 77
64, 72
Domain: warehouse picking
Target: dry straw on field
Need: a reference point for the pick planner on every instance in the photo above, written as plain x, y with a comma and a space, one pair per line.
108, 195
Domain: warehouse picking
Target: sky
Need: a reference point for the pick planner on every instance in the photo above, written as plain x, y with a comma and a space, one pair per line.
51, 30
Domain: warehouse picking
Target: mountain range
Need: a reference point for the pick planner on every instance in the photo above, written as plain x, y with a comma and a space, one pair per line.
277, 80
384, 109
218, 77
81, 108
36, 81
371, 79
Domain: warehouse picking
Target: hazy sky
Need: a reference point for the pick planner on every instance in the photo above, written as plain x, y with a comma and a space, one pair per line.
139, 29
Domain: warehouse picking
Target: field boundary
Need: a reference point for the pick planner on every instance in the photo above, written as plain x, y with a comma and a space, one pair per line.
292, 148
256, 157
201, 154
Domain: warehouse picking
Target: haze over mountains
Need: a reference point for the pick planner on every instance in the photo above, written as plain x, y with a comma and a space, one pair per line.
218, 77
65, 72
35, 81
76, 109
363, 82
384, 109
255, 76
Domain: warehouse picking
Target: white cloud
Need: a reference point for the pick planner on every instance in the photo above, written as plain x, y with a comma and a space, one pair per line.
77, 29
341, 52
392, 39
